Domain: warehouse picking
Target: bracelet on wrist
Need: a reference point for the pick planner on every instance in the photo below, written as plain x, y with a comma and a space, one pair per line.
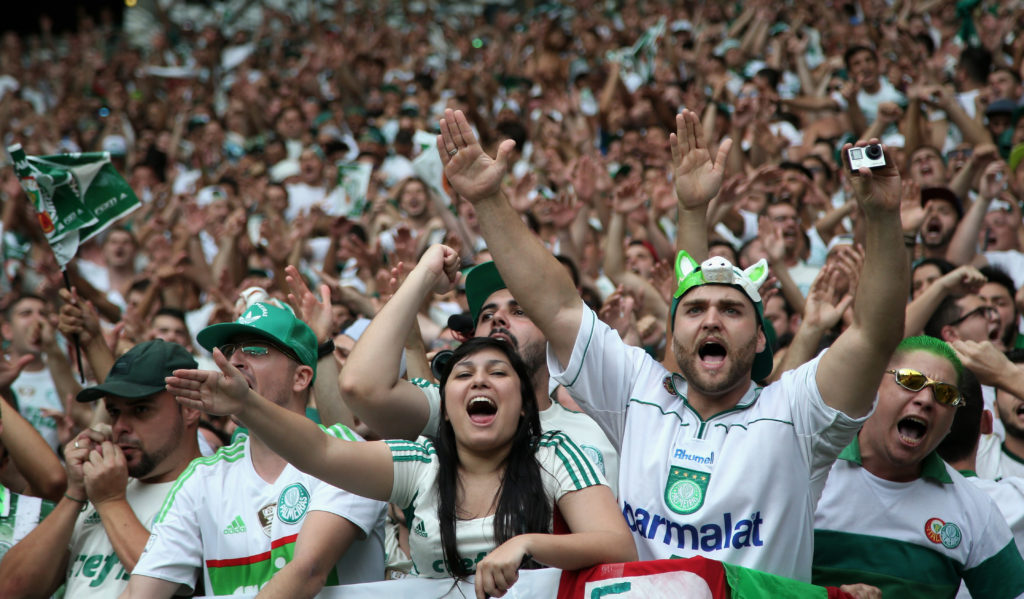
83, 502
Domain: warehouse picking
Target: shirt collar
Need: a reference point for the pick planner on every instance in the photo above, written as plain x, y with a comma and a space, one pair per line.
931, 467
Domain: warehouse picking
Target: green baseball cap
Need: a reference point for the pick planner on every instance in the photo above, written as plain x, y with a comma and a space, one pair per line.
719, 271
271, 321
481, 281
140, 371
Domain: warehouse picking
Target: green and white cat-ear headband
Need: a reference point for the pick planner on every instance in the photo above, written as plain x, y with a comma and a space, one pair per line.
719, 271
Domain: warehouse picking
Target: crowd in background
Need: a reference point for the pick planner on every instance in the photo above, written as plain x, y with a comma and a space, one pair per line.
258, 137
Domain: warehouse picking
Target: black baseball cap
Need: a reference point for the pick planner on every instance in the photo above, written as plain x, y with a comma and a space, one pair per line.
140, 372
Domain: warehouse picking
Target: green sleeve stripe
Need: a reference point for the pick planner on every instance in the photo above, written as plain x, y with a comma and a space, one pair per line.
409, 458
1001, 575
589, 471
572, 458
339, 431
422, 383
881, 562
408, 451
231, 453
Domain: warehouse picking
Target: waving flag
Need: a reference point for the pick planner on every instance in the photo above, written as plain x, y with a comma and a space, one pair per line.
75, 196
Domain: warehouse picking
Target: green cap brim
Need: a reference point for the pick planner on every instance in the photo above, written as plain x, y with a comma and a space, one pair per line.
123, 389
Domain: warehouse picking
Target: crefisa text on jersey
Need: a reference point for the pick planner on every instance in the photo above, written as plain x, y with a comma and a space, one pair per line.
711, 536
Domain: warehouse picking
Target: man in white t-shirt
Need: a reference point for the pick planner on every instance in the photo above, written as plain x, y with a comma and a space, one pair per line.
244, 516
117, 480
711, 464
893, 515
24, 326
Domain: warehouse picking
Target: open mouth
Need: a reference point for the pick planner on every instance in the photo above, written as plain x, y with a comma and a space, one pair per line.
912, 430
712, 352
506, 336
481, 410
933, 226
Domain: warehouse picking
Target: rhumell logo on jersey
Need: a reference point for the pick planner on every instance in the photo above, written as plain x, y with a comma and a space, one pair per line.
237, 526
945, 533
420, 529
685, 490
266, 517
292, 504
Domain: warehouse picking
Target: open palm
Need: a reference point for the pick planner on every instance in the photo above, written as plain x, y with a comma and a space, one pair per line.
697, 178
470, 171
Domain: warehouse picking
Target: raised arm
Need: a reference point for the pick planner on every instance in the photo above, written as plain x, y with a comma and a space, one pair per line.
849, 373
697, 180
394, 408
317, 314
535, 278
363, 468
963, 245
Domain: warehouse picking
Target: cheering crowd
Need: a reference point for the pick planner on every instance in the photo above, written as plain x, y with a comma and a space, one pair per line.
455, 289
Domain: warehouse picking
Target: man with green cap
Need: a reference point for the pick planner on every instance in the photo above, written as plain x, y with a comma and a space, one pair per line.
711, 463
245, 517
117, 480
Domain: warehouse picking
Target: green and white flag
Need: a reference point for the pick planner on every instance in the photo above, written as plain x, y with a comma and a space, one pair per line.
76, 196
638, 59
354, 178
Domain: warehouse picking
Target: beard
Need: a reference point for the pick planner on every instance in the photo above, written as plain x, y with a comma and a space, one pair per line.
149, 460
1009, 420
741, 362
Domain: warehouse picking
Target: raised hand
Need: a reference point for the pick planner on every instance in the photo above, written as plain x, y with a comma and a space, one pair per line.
472, 174
10, 369
316, 313
877, 190
442, 262
697, 178
217, 393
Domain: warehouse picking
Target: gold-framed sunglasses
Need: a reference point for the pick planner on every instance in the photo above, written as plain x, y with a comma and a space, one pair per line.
944, 393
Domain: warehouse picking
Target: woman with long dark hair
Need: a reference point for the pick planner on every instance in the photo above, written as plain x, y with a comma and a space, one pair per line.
479, 498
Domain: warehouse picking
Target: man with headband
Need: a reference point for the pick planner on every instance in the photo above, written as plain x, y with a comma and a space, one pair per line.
711, 464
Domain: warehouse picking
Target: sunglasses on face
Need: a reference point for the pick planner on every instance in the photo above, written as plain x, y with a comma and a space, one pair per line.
985, 311
255, 349
912, 380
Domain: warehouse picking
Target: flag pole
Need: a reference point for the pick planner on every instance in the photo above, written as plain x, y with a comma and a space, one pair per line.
74, 336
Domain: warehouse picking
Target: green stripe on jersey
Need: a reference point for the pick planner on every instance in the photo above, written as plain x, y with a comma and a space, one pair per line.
408, 451
1001, 575
231, 453
575, 461
899, 568
339, 431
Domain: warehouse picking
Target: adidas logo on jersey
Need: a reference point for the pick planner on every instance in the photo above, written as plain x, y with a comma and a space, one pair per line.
420, 529
236, 526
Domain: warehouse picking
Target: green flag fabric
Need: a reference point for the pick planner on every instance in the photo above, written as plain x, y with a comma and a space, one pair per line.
76, 196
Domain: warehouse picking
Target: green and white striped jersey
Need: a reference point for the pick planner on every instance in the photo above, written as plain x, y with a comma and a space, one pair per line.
564, 468
222, 518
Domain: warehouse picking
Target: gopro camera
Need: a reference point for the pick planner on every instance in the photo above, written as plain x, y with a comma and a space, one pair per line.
866, 157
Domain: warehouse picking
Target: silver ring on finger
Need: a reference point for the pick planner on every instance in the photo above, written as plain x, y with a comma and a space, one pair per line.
453, 152
76, 445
